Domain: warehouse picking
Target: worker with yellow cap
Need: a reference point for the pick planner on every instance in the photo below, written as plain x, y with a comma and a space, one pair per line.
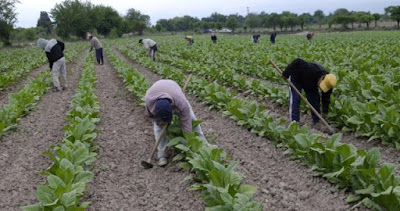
309, 76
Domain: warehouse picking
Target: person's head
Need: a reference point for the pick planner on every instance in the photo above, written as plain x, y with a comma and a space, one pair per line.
42, 43
163, 111
89, 36
212, 34
327, 82
141, 41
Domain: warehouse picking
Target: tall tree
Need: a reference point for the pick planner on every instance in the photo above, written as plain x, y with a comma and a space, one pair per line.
319, 16
232, 23
252, 21
377, 16
274, 20
45, 22
394, 12
105, 19
71, 18
137, 21
8, 17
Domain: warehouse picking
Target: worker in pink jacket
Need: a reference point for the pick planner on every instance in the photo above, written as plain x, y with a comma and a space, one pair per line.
163, 99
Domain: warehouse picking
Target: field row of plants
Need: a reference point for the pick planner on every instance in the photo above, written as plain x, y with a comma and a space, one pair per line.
24, 101
17, 63
221, 186
67, 177
372, 91
21, 58
342, 164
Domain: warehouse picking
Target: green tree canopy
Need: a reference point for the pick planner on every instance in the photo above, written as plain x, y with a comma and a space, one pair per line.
377, 16
105, 19
71, 18
232, 23
8, 17
394, 12
45, 22
137, 21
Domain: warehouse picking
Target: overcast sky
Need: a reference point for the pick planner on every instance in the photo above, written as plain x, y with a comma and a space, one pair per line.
29, 10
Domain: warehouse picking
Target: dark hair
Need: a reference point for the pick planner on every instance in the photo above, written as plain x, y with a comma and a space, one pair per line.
163, 110
140, 40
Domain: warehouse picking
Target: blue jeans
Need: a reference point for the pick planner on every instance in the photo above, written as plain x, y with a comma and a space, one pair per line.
313, 97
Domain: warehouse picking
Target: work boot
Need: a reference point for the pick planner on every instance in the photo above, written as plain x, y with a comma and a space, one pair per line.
162, 162
56, 89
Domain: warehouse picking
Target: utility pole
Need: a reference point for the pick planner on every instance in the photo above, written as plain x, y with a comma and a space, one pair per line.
248, 10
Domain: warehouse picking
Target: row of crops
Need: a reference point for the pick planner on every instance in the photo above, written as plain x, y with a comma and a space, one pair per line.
17, 63
25, 100
366, 99
67, 177
342, 164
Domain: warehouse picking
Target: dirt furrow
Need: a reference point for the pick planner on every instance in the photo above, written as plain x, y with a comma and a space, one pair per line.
388, 153
15, 87
21, 158
126, 138
283, 184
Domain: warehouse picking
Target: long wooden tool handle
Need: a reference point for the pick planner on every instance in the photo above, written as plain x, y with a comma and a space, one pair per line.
187, 82
163, 131
303, 98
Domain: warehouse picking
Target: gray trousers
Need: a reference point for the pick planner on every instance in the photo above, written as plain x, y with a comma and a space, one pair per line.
59, 65
164, 141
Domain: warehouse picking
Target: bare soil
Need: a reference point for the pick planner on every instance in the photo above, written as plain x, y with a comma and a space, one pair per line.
283, 184
21, 158
388, 152
126, 138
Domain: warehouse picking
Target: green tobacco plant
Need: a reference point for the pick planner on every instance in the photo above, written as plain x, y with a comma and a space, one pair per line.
66, 178
342, 164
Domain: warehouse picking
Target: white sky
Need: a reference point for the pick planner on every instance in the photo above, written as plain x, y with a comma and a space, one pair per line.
29, 10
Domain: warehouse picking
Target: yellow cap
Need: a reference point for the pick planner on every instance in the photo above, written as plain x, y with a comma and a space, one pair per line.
328, 83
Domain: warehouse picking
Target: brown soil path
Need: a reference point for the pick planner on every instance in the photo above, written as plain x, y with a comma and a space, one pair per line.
21, 158
126, 138
283, 184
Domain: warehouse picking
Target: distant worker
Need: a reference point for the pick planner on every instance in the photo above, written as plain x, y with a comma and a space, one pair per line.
151, 46
95, 43
310, 36
273, 36
164, 98
54, 50
309, 76
256, 37
190, 40
214, 38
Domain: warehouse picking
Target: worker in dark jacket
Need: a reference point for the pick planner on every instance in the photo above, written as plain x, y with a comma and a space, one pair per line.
273, 36
309, 76
214, 38
310, 36
256, 37
54, 51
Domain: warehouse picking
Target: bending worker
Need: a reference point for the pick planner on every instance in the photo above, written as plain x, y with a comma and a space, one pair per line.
164, 98
54, 50
189, 39
95, 43
151, 46
309, 76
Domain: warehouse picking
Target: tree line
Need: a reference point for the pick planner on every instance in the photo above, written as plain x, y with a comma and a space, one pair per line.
284, 21
73, 18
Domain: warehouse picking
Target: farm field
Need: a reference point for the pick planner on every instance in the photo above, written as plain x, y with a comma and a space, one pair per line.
97, 134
